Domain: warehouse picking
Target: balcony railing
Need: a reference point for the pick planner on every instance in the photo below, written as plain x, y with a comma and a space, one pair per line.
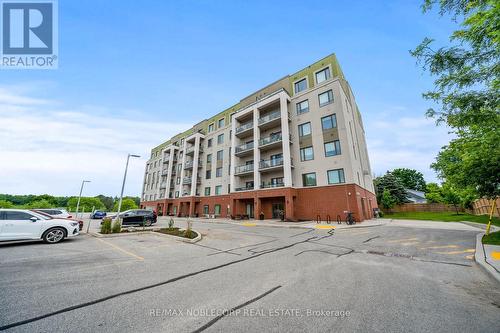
271, 116
164, 172
188, 180
272, 185
270, 139
190, 164
271, 163
244, 188
245, 147
244, 127
243, 169
163, 185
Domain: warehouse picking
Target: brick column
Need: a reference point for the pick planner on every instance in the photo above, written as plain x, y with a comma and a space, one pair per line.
257, 207
289, 207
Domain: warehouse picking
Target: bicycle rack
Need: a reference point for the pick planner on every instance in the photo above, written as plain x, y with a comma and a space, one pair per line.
339, 219
318, 218
328, 219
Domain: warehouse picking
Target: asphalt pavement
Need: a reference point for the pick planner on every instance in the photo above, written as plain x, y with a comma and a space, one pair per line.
251, 278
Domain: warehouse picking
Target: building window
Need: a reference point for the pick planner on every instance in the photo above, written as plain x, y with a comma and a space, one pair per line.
218, 172
208, 174
306, 154
277, 181
205, 209
329, 122
209, 143
178, 180
220, 139
217, 209
300, 85
207, 191
332, 148
309, 179
325, 98
305, 129
210, 128
176, 194
221, 123
336, 176
179, 167
209, 158
218, 190
220, 155
302, 107
323, 75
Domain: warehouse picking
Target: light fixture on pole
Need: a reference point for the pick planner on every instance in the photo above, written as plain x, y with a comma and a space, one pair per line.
80, 196
123, 184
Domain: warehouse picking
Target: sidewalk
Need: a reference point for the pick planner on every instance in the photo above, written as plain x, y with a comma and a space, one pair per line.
280, 224
488, 257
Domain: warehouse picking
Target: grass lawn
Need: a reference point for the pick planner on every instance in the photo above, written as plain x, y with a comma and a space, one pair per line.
442, 216
492, 239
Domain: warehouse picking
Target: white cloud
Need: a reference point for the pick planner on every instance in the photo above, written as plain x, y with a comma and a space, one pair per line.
47, 149
410, 142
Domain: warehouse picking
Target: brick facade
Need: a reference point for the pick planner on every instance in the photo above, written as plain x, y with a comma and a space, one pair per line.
308, 203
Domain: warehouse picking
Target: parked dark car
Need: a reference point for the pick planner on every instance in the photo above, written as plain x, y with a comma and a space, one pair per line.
44, 213
137, 217
98, 215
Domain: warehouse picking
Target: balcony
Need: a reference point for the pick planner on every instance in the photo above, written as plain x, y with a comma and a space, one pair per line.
164, 172
272, 164
243, 170
188, 181
189, 150
270, 120
244, 130
243, 150
189, 165
244, 188
270, 142
163, 185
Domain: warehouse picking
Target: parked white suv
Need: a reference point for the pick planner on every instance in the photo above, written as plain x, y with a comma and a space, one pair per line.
56, 212
20, 224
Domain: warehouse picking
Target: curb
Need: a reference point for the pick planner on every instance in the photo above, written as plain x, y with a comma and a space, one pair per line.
480, 258
124, 234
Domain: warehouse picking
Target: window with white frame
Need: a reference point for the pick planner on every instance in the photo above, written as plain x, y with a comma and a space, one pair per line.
323, 75
325, 98
336, 176
302, 107
305, 129
300, 85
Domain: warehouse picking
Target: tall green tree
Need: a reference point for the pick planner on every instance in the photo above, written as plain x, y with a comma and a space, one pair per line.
127, 203
467, 92
86, 204
392, 184
410, 178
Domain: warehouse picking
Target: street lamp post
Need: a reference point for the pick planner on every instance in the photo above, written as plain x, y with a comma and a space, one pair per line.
80, 196
123, 185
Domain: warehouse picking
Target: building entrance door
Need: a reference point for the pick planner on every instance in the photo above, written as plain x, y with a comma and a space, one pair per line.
249, 210
277, 208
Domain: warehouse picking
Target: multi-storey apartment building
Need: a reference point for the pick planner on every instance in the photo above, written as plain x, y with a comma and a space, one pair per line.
295, 147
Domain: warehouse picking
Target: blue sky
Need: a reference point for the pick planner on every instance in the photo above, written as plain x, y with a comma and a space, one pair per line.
129, 70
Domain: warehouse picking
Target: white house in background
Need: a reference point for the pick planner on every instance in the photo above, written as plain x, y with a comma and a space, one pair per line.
415, 196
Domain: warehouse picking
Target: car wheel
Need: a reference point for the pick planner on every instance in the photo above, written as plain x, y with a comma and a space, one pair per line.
147, 223
54, 235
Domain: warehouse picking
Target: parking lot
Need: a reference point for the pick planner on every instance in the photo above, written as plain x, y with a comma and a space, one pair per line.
378, 278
